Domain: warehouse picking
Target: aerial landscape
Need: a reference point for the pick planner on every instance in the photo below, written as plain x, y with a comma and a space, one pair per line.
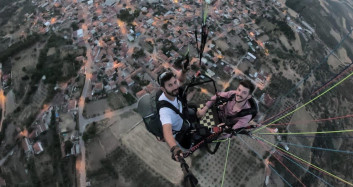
73, 72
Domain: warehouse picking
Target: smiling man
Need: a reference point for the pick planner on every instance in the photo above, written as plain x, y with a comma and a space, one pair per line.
238, 100
176, 120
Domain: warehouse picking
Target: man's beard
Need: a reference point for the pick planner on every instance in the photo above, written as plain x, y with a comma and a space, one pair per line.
240, 100
173, 93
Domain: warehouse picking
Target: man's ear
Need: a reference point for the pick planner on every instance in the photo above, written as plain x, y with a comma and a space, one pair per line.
163, 89
249, 96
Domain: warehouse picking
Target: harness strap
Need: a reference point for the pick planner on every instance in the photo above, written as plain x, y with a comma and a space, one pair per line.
214, 150
163, 103
244, 112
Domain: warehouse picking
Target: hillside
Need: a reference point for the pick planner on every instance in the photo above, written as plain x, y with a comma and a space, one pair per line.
331, 20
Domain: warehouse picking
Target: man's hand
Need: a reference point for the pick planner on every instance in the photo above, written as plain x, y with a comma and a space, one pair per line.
200, 113
176, 153
223, 125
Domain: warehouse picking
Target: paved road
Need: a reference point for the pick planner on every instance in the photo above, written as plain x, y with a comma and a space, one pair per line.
83, 122
111, 114
81, 161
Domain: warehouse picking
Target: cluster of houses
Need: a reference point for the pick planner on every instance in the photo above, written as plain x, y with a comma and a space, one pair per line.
111, 43
111, 39
30, 144
64, 125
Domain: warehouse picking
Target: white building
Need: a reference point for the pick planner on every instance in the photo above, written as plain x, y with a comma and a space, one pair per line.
251, 57
130, 38
80, 33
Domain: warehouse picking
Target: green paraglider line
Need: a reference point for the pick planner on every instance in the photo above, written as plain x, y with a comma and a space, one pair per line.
310, 164
205, 14
306, 102
322, 132
225, 164
318, 148
281, 153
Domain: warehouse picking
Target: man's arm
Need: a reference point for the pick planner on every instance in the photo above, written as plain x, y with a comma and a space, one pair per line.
242, 122
169, 138
166, 119
168, 135
202, 112
181, 76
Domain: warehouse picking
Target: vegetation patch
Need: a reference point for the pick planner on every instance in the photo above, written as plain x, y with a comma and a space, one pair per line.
138, 53
129, 98
19, 46
280, 85
123, 163
128, 17
91, 132
167, 47
55, 68
116, 101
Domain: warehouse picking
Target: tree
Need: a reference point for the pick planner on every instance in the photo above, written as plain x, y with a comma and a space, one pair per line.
275, 60
241, 50
287, 30
138, 53
90, 132
194, 67
125, 15
74, 26
18, 46
124, 83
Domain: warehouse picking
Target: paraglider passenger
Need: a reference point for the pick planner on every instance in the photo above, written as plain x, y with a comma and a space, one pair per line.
238, 100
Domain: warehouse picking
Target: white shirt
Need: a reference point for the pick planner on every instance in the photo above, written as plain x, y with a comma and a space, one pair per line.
168, 116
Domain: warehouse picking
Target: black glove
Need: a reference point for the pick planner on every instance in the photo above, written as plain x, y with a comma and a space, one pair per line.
176, 152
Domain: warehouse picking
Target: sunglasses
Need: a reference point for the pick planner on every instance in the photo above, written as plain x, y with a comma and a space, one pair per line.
162, 76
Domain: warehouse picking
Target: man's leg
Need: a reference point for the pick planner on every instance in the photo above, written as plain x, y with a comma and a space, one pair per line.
192, 116
184, 139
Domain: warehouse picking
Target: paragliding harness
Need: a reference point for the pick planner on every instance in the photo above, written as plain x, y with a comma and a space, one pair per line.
244, 112
216, 132
149, 107
210, 134
228, 125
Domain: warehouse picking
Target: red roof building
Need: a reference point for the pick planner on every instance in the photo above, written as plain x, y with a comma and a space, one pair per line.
123, 89
98, 87
141, 93
72, 105
150, 88
228, 69
267, 100
129, 81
